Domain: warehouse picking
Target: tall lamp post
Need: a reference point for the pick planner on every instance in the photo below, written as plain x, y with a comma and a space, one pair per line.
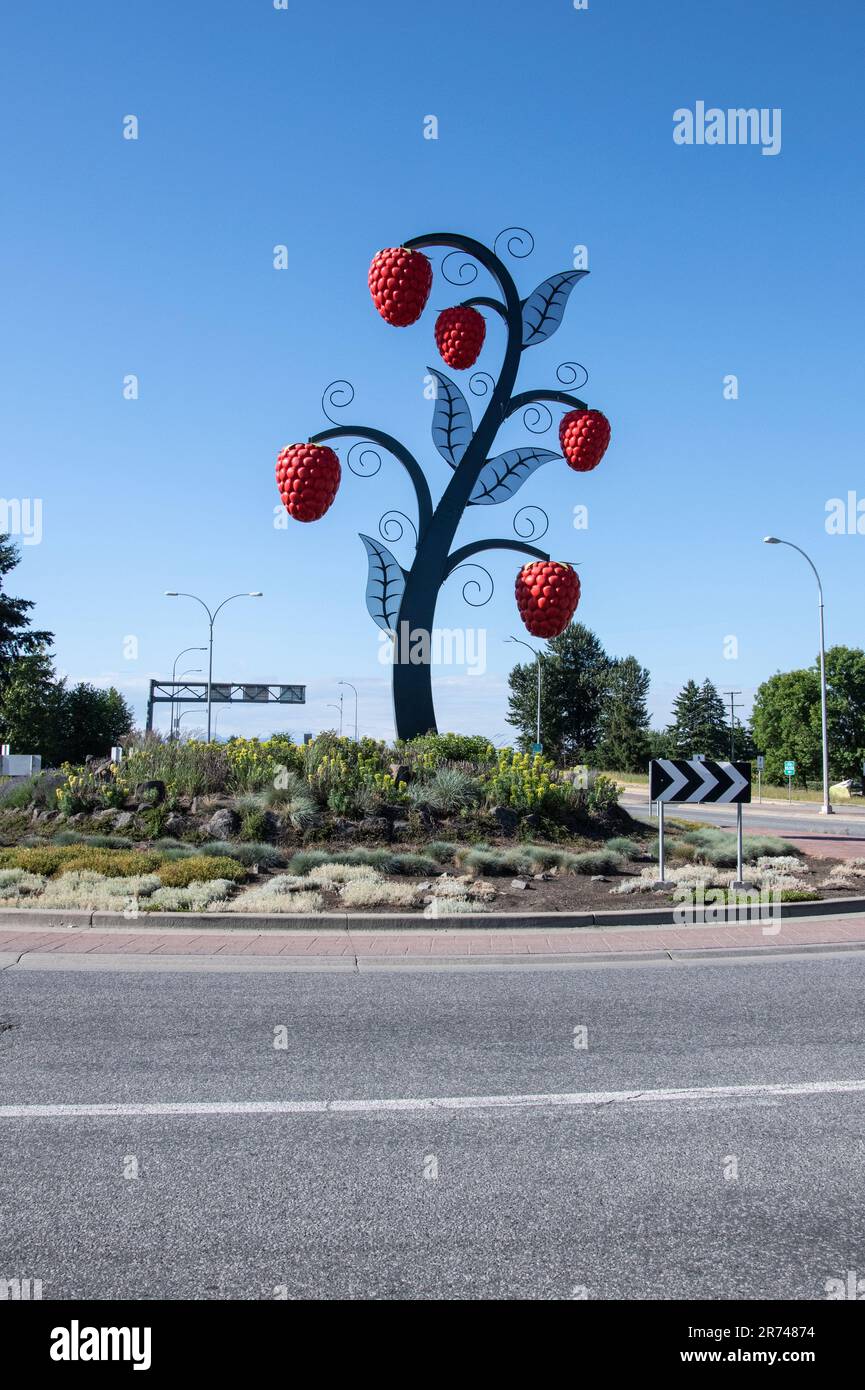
174, 678
351, 687
338, 707
537, 656
190, 671
827, 807
174, 593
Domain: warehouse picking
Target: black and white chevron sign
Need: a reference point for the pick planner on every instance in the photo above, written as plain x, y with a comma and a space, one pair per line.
688, 779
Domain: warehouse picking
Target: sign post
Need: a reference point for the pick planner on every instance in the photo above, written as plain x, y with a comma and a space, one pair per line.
761, 764
789, 773
697, 780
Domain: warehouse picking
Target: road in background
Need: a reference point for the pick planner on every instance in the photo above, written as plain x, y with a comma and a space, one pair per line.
845, 827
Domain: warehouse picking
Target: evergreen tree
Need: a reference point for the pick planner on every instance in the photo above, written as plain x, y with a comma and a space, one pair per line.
16, 636
624, 745
699, 722
574, 682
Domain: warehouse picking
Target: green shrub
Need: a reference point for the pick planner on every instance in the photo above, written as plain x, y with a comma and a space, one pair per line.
188, 768
441, 851
603, 795
15, 794
417, 864
718, 847
50, 860
799, 895
620, 844
598, 861
192, 897
199, 868
254, 826
255, 852
432, 751
448, 791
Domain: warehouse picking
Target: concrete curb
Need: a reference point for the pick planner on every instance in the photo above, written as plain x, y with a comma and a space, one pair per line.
481, 921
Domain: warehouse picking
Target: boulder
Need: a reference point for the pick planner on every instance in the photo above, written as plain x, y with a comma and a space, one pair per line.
223, 824
507, 819
375, 827
401, 830
152, 793
124, 820
400, 772
175, 824
520, 884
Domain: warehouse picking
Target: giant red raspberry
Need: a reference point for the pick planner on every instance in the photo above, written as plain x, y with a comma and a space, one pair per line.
307, 476
460, 336
400, 282
547, 596
584, 436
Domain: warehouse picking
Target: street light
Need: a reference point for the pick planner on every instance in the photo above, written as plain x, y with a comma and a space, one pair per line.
351, 687
182, 716
337, 707
537, 656
174, 593
827, 808
174, 678
190, 671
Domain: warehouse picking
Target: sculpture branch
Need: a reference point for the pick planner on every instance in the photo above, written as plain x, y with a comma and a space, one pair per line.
460, 556
486, 302
530, 397
400, 452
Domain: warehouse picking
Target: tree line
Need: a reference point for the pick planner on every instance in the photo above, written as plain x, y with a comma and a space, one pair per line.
39, 712
593, 710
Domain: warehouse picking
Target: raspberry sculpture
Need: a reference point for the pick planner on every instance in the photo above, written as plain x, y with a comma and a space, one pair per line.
584, 436
400, 282
460, 336
547, 594
307, 476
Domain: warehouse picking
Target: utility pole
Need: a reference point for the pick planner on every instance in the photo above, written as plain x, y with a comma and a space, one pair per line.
734, 705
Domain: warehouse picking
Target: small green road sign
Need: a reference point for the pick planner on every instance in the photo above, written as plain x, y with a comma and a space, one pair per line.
537, 748
789, 768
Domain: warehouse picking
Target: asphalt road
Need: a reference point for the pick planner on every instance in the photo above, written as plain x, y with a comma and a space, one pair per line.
796, 819
756, 1195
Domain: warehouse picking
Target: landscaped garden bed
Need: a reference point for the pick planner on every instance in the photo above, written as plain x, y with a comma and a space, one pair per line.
443, 825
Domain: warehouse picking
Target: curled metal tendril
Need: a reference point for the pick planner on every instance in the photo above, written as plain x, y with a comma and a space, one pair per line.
537, 418
476, 584
466, 274
520, 242
527, 528
478, 383
391, 527
360, 466
330, 397
566, 374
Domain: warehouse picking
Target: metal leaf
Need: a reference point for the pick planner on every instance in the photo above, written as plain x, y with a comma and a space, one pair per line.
384, 585
504, 475
452, 426
544, 309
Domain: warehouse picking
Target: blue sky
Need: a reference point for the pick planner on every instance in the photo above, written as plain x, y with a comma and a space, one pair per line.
305, 127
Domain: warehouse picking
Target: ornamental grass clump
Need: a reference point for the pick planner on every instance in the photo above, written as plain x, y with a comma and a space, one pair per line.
200, 868
193, 897
53, 859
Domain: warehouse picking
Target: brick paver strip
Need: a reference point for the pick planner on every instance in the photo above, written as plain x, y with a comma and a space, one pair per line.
438, 944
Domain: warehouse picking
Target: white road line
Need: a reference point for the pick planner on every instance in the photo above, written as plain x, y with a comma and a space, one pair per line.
515, 1102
